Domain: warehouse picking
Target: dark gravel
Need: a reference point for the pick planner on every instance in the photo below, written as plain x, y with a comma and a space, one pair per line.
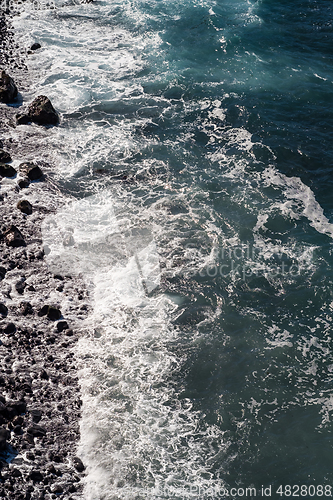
40, 321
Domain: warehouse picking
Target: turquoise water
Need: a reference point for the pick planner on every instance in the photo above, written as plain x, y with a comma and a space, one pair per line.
205, 130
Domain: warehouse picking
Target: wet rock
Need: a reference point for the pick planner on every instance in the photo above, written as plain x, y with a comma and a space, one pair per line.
20, 286
35, 46
40, 111
25, 207
15, 472
51, 312
36, 415
57, 488
36, 430
17, 407
54, 313
18, 420
61, 326
31, 170
78, 464
44, 375
4, 436
3, 411
3, 271
43, 311
3, 309
23, 182
9, 328
50, 467
7, 170
13, 237
26, 308
17, 430
8, 89
35, 475
5, 157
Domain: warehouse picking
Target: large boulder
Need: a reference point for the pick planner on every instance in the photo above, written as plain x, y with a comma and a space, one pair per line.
40, 111
8, 89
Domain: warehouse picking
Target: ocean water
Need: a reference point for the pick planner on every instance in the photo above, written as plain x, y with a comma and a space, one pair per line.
195, 156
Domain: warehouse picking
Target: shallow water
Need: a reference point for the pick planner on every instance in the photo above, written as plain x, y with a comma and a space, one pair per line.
195, 148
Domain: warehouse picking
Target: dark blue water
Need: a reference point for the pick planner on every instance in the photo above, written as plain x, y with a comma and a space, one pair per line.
207, 126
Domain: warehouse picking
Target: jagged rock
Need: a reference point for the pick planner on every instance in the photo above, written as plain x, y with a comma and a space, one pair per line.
4, 436
32, 171
40, 111
7, 170
36, 430
35, 46
5, 157
3, 271
13, 237
3, 309
43, 311
25, 207
8, 89
53, 313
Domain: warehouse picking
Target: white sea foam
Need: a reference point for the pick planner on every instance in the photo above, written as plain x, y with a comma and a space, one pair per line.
138, 436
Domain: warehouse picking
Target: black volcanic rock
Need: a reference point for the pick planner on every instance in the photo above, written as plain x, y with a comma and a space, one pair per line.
36, 430
62, 325
35, 475
3, 309
40, 111
26, 308
54, 313
8, 89
13, 237
10, 328
7, 170
43, 311
5, 157
78, 464
36, 415
4, 436
31, 170
23, 182
25, 207
35, 46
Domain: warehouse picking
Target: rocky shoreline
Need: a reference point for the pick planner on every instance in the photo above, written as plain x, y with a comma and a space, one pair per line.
40, 318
